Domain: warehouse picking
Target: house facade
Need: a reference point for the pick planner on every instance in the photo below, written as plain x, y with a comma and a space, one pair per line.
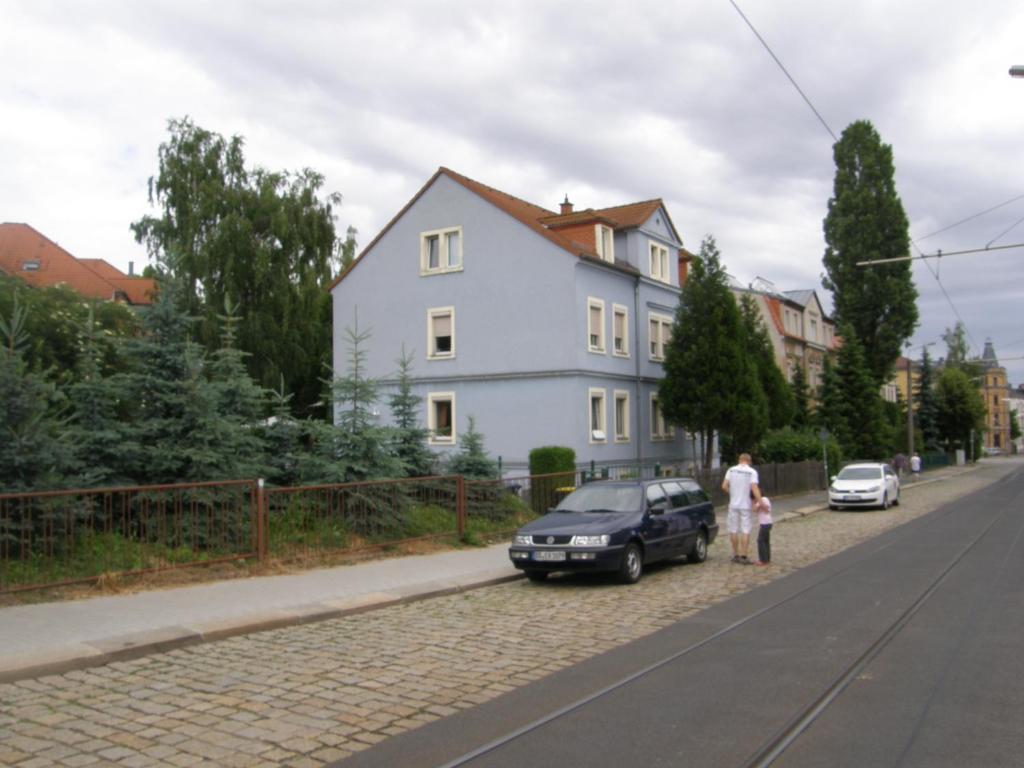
800, 331
549, 328
994, 388
32, 257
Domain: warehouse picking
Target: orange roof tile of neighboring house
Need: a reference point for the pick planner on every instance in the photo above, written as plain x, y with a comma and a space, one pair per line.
542, 221
39, 261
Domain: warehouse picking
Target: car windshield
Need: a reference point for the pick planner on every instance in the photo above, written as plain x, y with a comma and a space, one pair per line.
861, 473
602, 498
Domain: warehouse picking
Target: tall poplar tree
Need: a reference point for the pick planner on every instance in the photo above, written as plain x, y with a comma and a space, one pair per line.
710, 383
866, 222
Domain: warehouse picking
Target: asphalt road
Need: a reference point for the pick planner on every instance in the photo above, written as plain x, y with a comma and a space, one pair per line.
903, 650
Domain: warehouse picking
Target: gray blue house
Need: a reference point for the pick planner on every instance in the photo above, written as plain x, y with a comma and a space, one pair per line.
549, 328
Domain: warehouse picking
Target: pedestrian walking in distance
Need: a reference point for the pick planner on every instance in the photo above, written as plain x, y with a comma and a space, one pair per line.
915, 465
741, 483
764, 531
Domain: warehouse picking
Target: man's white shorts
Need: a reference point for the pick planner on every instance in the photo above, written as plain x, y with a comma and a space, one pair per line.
738, 521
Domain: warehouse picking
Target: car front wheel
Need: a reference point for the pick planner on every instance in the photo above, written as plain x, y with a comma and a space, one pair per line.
699, 551
632, 566
537, 576
885, 501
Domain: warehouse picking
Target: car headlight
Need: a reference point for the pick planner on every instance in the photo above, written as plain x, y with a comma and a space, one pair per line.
522, 540
590, 541
873, 489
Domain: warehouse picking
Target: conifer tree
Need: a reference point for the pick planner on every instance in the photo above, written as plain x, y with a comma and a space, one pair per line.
472, 460
927, 409
32, 455
173, 412
710, 383
239, 403
357, 448
829, 412
777, 392
860, 403
104, 445
801, 399
411, 438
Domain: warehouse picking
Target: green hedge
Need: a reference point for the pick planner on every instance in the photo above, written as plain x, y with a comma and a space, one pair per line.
552, 458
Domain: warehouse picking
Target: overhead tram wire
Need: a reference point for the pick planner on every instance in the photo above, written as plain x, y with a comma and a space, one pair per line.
784, 71
836, 139
971, 218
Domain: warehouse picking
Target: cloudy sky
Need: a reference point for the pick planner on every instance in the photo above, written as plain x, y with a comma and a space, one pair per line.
606, 102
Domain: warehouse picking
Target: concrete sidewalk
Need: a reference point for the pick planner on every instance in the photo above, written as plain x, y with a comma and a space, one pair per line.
52, 638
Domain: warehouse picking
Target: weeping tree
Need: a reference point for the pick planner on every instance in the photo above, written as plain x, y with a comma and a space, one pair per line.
265, 239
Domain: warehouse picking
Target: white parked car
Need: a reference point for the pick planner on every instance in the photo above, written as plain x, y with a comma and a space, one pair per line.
867, 484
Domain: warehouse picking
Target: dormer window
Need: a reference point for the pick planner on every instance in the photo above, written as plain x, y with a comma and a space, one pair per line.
659, 263
605, 243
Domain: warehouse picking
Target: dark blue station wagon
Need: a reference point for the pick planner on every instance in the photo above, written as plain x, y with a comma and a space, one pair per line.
618, 525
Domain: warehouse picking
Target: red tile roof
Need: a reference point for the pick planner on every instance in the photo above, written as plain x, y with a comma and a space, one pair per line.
39, 261
545, 223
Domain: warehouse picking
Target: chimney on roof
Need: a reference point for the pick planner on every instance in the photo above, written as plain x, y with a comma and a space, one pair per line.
131, 269
566, 206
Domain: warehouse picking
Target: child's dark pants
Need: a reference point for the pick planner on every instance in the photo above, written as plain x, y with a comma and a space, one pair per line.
764, 543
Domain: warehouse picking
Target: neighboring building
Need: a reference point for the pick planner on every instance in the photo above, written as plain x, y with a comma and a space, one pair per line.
1015, 407
549, 328
800, 331
40, 262
994, 391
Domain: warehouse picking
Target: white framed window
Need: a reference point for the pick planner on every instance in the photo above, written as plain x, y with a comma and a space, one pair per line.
659, 263
441, 418
605, 242
596, 416
620, 330
660, 429
659, 333
595, 325
441, 251
441, 333
621, 416
814, 329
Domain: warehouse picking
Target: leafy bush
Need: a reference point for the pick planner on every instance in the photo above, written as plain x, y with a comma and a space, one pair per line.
782, 446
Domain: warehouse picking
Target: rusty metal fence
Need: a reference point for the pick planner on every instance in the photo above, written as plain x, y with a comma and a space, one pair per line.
65, 537
59, 538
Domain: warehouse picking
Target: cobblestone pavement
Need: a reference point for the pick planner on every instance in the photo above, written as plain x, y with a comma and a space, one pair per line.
305, 695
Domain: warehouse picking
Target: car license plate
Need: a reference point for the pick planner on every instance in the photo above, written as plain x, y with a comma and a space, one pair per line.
851, 498
549, 556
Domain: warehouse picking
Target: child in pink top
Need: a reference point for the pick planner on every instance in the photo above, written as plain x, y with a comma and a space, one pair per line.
764, 534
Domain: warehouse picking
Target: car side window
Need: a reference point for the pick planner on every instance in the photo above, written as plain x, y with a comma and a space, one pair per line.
677, 494
694, 492
655, 494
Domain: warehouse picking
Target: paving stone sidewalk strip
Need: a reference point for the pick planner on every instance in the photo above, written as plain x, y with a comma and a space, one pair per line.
317, 692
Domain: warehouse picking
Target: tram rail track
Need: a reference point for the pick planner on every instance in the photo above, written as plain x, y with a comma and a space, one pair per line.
773, 747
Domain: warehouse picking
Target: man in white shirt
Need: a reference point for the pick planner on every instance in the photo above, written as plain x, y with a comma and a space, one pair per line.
741, 483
